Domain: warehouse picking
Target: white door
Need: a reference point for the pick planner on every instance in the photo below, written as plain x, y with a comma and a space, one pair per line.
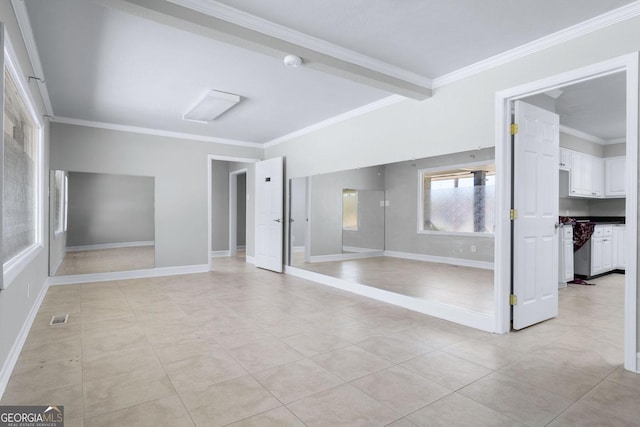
535, 236
269, 214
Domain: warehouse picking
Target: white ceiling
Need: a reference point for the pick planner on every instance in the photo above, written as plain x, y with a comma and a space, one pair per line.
143, 63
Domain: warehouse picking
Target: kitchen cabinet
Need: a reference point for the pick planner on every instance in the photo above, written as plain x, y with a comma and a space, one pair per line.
565, 159
565, 270
619, 247
615, 172
586, 176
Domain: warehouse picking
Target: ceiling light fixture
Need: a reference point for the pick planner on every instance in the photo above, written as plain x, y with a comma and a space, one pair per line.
211, 106
292, 61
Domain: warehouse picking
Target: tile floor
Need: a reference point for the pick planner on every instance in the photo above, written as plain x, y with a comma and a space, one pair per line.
107, 260
465, 287
246, 347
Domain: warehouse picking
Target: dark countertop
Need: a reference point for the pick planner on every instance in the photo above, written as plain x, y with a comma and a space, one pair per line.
601, 219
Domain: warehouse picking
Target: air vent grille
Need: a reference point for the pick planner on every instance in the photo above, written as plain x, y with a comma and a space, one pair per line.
57, 320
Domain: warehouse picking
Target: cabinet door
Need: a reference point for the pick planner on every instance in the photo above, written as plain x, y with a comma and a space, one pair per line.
577, 175
615, 172
607, 254
597, 176
568, 260
565, 159
596, 255
619, 237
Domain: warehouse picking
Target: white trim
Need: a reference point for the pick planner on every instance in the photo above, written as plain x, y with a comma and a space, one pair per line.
250, 260
220, 254
628, 63
485, 265
109, 246
615, 141
297, 248
594, 24
385, 102
126, 275
263, 26
474, 319
357, 249
55, 268
583, 135
346, 257
157, 132
18, 343
20, 10
13, 267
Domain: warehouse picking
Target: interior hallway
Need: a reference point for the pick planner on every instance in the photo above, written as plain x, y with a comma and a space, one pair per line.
246, 346
465, 287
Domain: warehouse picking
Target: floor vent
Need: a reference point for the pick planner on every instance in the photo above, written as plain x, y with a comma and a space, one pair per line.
59, 320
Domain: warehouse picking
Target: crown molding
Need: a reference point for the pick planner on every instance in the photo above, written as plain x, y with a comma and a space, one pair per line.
390, 100
157, 132
594, 24
582, 135
255, 23
615, 141
20, 10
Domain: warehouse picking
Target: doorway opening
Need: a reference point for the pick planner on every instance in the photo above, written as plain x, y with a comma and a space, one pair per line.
629, 66
238, 213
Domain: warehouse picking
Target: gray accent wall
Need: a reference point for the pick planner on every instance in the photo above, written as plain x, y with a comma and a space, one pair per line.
241, 211
370, 233
219, 205
180, 169
326, 205
250, 204
108, 208
298, 212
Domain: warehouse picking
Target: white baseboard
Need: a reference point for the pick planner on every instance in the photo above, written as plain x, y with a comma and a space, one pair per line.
250, 260
219, 254
125, 275
637, 363
16, 348
485, 265
459, 315
242, 247
109, 246
297, 249
357, 249
346, 257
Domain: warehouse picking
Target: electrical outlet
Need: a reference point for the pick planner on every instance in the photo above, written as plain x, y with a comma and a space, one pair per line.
473, 248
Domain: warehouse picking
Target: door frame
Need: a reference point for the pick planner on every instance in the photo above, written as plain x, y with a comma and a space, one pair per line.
210, 158
502, 286
233, 209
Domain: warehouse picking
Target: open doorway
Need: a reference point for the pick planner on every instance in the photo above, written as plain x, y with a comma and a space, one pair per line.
238, 213
628, 66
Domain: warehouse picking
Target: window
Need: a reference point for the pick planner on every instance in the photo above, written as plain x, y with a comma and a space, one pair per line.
460, 200
350, 210
61, 201
21, 195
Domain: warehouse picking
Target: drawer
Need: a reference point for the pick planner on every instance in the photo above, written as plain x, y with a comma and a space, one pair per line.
567, 232
607, 230
598, 231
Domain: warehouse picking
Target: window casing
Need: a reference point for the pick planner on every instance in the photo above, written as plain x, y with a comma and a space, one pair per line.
460, 200
22, 174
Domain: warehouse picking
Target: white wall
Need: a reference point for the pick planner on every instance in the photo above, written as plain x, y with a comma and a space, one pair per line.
21, 297
180, 169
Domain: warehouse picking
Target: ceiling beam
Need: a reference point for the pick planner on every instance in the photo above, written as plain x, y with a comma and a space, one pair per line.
354, 67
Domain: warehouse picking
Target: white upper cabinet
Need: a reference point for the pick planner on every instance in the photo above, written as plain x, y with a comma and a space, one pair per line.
593, 177
615, 171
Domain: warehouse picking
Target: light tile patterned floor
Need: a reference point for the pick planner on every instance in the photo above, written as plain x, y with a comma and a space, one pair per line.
107, 260
246, 347
465, 287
